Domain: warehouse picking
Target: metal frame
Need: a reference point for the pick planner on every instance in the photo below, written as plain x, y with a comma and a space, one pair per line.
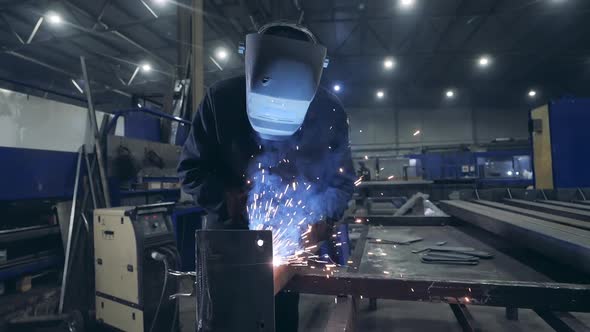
546, 298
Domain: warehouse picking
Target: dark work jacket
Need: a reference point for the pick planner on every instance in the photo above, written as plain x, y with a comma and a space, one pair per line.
222, 146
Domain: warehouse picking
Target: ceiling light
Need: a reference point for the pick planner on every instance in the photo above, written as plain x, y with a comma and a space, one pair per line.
450, 93
532, 93
221, 53
484, 61
146, 67
337, 87
53, 18
388, 63
417, 132
406, 3
160, 2
380, 94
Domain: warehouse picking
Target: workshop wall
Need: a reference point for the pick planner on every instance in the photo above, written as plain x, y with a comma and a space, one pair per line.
39, 139
438, 126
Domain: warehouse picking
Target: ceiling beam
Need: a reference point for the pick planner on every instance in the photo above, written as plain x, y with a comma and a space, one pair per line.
121, 35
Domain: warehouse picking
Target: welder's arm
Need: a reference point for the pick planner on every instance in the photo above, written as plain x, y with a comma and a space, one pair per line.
197, 166
341, 178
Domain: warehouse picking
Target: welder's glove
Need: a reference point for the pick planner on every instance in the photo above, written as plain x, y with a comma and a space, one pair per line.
321, 231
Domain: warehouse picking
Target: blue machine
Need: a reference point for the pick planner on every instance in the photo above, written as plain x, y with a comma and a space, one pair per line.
559, 132
490, 168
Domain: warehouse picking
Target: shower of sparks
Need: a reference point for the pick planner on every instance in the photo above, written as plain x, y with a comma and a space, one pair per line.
288, 208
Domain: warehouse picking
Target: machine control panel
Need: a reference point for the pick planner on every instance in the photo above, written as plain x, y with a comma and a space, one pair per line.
153, 224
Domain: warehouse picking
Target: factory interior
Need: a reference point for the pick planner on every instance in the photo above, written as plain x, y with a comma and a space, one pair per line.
294, 165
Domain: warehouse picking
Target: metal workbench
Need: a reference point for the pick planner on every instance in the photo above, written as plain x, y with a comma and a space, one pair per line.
515, 278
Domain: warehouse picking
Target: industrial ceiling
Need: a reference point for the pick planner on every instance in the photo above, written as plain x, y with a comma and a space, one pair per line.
433, 47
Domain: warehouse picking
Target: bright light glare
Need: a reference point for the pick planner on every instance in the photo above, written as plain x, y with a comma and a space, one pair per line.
54, 18
532, 93
260, 242
146, 67
406, 3
484, 61
277, 261
160, 2
509, 173
388, 63
221, 53
417, 132
366, 157
450, 94
380, 94
337, 87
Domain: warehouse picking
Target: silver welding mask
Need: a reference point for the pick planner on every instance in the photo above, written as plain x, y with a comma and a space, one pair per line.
282, 78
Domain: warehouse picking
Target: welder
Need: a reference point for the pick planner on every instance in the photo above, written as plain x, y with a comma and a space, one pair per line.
277, 109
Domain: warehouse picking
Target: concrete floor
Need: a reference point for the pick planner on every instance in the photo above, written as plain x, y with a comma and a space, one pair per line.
399, 316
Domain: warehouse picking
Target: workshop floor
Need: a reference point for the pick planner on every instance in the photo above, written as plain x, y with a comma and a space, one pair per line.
399, 316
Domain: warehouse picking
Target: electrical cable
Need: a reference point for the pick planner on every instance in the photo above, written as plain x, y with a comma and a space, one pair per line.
176, 256
161, 258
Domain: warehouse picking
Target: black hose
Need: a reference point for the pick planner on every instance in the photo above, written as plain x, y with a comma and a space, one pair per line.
176, 256
161, 294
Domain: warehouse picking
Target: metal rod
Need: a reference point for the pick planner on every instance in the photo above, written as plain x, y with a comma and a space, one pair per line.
216, 63
89, 172
133, 76
149, 8
98, 148
85, 222
34, 32
509, 193
477, 194
70, 231
582, 194
543, 192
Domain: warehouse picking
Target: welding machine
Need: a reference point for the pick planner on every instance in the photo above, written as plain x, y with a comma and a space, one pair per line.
133, 249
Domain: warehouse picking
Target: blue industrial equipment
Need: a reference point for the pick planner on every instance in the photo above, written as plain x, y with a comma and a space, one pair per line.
558, 131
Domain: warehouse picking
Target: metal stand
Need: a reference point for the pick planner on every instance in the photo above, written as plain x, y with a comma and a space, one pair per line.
512, 313
464, 317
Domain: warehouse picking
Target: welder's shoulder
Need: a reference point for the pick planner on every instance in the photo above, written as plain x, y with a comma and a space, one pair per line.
330, 105
228, 95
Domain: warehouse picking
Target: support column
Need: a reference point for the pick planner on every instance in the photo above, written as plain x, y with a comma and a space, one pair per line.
197, 83
473, 119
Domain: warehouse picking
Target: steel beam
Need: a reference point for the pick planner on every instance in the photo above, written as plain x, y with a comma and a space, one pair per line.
566, 204
562, 243
464, 317
562, 321
550, 296
559, 210
119, 34
536, 214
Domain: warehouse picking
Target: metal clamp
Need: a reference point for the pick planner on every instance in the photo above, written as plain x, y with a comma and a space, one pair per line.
182, 274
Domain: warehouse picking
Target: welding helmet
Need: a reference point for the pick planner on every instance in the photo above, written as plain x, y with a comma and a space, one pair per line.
284, 64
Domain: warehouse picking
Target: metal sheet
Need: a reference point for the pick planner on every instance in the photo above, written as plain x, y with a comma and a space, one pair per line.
399, 261
562, 243
536, 214
235, 269
562, 211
